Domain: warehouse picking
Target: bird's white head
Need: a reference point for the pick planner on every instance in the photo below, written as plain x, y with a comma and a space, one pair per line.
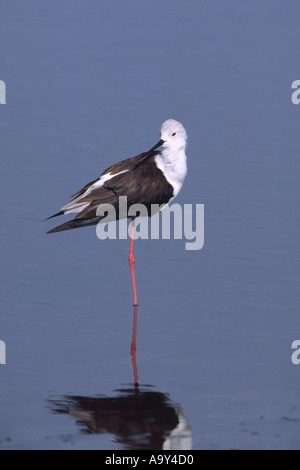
173, 134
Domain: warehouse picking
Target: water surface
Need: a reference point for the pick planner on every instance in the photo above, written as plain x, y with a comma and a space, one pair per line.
89, 83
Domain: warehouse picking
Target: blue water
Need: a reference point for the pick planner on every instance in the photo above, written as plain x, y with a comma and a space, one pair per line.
87, 84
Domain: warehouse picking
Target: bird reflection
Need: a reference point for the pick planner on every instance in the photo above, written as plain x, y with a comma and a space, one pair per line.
137, 416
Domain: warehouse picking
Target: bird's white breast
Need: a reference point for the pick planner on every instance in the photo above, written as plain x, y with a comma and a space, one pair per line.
173, 166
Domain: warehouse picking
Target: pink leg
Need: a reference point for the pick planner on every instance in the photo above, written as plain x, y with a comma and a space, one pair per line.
132, 261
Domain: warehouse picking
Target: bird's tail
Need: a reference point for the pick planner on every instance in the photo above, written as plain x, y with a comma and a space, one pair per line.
75, 223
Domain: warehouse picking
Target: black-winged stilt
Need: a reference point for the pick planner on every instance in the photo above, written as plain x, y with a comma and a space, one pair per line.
153, 177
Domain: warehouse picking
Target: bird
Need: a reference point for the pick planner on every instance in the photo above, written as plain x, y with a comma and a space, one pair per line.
152, 177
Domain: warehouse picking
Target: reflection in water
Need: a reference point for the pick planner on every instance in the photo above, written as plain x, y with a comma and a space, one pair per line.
138, 417
133, 345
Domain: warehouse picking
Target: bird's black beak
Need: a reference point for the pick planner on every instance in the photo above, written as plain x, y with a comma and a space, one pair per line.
149, 153
159, 144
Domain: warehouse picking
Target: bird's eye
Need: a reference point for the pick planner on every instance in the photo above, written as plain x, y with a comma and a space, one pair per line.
174, 133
